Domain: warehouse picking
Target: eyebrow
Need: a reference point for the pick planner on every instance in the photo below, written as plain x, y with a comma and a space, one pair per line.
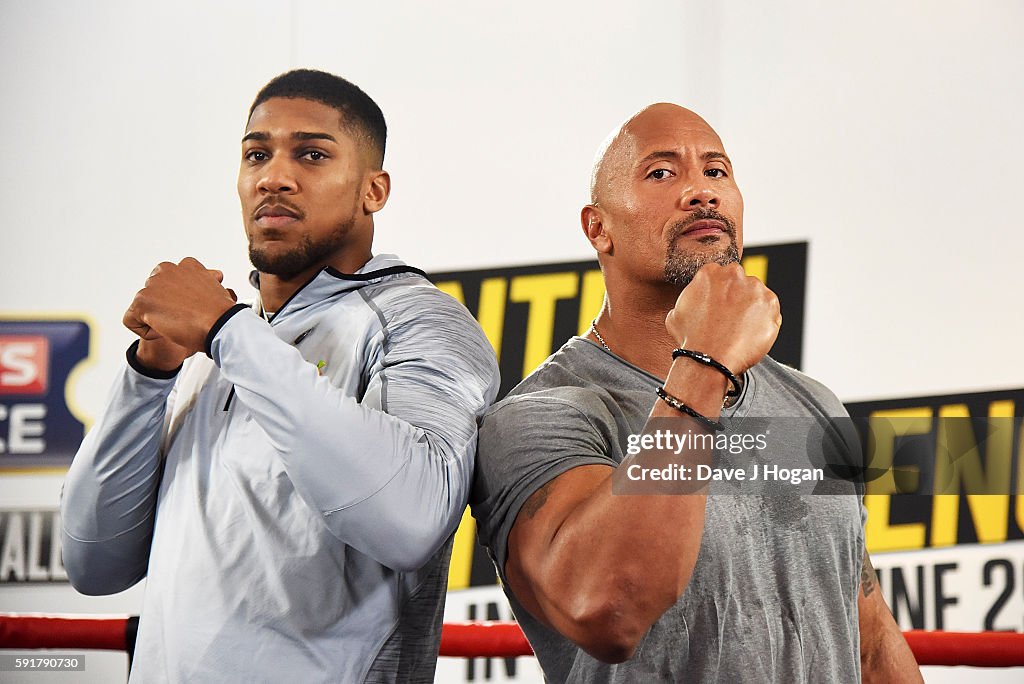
675, 156
298, 135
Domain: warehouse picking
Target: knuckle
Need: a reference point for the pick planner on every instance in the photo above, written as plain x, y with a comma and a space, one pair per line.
160, 268
704, 273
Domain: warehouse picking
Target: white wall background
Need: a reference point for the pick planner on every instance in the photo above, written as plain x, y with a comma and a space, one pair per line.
884, 133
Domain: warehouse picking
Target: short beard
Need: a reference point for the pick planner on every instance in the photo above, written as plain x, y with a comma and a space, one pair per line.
681, 267
306, 255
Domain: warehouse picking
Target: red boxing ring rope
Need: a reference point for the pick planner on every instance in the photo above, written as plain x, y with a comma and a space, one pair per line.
496, 639
30, 630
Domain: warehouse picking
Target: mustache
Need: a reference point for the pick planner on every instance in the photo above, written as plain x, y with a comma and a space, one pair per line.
277, 203
704, 214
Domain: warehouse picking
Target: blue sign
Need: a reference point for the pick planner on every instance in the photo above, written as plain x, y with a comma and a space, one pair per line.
37, 428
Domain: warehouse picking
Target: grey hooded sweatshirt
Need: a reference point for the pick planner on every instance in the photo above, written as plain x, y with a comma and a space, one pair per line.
291, 497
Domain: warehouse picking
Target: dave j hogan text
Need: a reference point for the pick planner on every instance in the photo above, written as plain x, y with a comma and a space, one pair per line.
704, 473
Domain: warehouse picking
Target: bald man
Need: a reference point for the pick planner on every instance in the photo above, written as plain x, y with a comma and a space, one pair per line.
619, 583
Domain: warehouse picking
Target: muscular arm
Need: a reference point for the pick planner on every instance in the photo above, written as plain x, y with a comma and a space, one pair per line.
884, 653
601, 567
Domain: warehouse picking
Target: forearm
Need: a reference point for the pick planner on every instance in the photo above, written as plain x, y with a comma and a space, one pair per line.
109, 495
389, 488
885, 655
889, 660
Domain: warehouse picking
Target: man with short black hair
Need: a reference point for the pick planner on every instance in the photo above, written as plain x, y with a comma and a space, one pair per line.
360, 115
613, 580
288, 476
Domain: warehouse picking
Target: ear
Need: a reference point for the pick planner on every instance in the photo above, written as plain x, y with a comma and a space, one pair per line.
378, 189
594, 229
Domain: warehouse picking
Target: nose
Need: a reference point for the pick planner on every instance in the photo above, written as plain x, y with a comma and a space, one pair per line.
277, 177
700, 196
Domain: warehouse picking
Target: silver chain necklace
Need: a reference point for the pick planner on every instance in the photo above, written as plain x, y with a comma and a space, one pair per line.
593, 327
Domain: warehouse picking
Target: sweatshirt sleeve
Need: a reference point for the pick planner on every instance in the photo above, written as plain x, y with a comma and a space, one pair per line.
391, 482
108, 501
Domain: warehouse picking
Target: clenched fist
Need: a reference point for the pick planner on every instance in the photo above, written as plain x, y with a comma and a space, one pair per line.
175, 310
726, 314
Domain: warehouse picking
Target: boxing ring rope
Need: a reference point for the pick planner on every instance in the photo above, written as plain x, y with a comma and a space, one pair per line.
495, 639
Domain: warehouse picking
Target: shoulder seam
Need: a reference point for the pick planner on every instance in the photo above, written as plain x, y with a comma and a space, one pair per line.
509, 401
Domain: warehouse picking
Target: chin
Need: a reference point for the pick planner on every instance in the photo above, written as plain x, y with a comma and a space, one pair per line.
282, 263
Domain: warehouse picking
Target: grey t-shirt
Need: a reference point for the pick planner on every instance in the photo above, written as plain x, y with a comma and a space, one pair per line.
773, 596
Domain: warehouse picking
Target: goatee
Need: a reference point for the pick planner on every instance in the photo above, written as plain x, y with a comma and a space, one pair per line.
681, 267
307, 254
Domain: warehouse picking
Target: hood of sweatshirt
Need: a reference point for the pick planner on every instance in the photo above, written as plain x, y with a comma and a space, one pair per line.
330, 282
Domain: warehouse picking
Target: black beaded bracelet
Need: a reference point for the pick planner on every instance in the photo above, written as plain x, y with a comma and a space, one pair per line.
683, 408
701, 357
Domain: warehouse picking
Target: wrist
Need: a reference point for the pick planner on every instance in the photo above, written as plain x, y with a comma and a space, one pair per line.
701, 387
146, 357
711, 362
218, 324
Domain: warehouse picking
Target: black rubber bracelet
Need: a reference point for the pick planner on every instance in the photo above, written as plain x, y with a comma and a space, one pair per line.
156, 374
701, 357
683, 408
224, 318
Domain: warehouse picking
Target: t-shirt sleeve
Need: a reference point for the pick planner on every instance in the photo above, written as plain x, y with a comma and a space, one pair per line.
525, 442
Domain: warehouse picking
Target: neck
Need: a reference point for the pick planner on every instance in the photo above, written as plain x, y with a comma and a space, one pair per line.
632, 323
275, 290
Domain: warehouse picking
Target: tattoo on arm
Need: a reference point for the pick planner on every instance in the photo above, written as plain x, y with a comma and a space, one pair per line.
537, 500
868, 579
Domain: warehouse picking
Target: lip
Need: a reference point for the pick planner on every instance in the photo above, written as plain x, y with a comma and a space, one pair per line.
269, 221
275, 215
704, 227
275, 209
